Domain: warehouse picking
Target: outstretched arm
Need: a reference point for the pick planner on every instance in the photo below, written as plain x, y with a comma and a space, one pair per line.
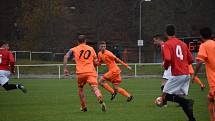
198, 66
123, 63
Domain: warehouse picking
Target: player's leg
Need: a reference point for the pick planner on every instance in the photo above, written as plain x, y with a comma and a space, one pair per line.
211, 105
178, 85
82, 98
123, 92
105, 85
186, 104
162, 86
81, 79
4, 78
199, 82
92, 80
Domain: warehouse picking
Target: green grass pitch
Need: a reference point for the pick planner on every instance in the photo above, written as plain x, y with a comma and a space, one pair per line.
57, 100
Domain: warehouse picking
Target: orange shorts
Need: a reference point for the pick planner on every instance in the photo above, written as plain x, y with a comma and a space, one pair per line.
84, 78
211, 95
113, 77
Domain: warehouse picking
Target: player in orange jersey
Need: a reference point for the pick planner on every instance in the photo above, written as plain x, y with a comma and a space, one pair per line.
113, 74
206, 55
85, 57
196, 79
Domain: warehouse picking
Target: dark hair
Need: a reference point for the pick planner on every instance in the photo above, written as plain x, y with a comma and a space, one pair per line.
170, 30
81, 38
206, 33
2, 42
102, 42
159, 36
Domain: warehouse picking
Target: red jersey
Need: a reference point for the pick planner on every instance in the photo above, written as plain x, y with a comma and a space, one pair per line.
84, 57
177, 55
7, 61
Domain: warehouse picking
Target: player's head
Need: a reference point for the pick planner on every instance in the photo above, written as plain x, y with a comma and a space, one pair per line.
170, 30
206, 33
81, 39
4, 44
157, 39
102, 46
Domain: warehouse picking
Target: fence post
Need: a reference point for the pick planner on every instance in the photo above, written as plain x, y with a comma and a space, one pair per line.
30, 56
15, 55
58, 71
135, 70
18, 76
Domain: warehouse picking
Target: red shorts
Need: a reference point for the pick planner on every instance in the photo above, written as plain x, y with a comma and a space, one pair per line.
84, 78
211, 94
113, 77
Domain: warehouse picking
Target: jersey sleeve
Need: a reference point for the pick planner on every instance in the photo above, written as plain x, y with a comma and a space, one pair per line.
121, 62
202, 54
167, 56
111, 55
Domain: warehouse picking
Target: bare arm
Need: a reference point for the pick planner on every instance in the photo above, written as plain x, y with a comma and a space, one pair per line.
198, 66
65, 61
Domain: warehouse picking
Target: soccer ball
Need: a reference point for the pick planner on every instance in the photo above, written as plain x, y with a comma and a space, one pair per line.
159, 101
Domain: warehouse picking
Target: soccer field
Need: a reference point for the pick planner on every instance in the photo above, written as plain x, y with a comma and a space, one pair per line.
57, 100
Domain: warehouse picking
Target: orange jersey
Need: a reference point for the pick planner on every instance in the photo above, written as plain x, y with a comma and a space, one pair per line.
110, 60
84, 57
207, 53
191, 70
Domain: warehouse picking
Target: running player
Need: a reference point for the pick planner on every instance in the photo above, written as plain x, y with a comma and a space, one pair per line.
206, 55
85, 57
113, 74
7, 66
179, 57
159, 41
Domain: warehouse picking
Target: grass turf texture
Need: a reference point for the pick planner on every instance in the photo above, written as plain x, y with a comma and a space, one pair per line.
57, 100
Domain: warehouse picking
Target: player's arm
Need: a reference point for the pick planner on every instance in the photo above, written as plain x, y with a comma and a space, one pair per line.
65, 61
123, 63
167, 57
11, 62
99, 60
198, 66
201, 58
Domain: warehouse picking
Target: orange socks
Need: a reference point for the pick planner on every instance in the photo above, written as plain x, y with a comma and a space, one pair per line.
211, 109
108, 88
82, 98
123, 92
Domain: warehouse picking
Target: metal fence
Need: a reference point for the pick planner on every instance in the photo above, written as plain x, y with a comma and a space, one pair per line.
56, 70
43, 56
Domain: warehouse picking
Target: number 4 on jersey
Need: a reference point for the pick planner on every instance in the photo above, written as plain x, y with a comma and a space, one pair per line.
179, 53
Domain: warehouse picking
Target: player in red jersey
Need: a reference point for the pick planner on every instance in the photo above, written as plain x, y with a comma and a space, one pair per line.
177, 55
85, 58
159, 41
113, 74
7, 66
206, 55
